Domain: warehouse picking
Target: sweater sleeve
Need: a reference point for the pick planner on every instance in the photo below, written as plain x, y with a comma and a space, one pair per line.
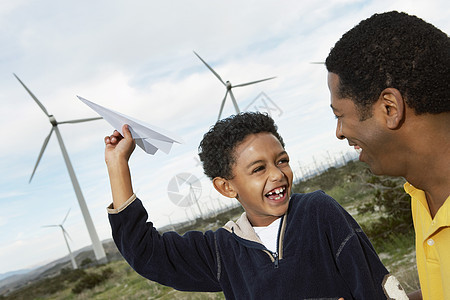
355, 256
185, 262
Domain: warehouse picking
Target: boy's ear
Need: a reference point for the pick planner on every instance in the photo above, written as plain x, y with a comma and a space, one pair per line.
224, 187
393, 107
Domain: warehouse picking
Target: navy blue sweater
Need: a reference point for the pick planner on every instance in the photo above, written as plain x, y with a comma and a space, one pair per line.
322, 254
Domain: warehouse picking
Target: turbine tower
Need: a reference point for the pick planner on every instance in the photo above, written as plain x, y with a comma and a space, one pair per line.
229, 87
65, 233
96, 244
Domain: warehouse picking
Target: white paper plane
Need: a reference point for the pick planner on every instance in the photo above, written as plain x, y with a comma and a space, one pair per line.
150, 138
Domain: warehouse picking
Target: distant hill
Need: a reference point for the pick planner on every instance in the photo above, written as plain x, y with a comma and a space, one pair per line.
16, 279
13, 273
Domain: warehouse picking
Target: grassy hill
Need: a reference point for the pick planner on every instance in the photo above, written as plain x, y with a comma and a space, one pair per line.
352, 185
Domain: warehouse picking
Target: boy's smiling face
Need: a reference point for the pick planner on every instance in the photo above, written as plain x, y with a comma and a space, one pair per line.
262, 178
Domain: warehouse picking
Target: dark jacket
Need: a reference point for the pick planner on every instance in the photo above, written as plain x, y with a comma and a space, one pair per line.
322, 254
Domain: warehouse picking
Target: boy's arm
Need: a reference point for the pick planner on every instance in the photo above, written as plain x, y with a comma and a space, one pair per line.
183, 262
118, 150
190, 262
357, 260
361, 268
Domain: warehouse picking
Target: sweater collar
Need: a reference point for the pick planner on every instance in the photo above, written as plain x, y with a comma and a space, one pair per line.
243, 229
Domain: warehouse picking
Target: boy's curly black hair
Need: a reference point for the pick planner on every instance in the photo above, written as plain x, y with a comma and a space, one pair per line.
394, 50
216, 150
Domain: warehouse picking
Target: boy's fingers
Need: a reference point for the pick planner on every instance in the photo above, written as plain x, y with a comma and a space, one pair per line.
116, 134
116, 137
112, 139
126, 131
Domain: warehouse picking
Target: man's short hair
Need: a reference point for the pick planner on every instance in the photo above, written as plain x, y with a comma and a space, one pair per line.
393, 50
216, 150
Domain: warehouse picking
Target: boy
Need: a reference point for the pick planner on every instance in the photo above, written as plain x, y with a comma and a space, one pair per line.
389, 82
299, 246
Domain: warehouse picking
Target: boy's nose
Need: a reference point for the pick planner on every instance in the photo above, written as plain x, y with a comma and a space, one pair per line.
276, 174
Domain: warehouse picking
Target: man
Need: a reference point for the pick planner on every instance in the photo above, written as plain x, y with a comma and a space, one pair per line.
389, 82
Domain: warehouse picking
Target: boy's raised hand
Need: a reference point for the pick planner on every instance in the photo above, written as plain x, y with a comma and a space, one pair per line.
118, 150
118, 147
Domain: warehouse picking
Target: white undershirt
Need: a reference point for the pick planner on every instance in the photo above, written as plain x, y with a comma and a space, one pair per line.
268, 234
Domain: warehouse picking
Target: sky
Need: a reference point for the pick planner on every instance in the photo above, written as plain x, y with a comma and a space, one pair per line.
136, 57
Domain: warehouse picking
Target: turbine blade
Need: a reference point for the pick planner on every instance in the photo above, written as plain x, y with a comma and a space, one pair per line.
253, 82
50, 226
212, 70
66, 233
223, 104
42, 152
65, 217
80, 120
33, 96
236, 107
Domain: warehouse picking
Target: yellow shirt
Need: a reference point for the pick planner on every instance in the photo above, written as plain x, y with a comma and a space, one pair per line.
432, 245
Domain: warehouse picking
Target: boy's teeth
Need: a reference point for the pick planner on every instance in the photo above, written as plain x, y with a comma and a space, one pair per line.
276, 191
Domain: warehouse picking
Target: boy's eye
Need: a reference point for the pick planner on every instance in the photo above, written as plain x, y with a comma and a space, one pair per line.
258, 169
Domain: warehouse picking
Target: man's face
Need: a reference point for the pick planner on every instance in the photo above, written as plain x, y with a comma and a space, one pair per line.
369, 137
262, 178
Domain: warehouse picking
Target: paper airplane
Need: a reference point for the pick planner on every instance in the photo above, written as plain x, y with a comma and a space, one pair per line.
150, 138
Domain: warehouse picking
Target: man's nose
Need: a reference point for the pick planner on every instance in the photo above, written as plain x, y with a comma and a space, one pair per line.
339, 132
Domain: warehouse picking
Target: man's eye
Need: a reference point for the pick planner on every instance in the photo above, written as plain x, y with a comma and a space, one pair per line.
283, 161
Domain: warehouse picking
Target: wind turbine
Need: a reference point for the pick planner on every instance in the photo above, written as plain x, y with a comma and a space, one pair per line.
96, 244
65, 233
229, 86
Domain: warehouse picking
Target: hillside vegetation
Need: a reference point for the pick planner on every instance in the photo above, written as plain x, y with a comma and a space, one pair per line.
379, 204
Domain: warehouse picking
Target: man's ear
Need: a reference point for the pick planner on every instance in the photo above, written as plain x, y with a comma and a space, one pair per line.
393, 107
224, 187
